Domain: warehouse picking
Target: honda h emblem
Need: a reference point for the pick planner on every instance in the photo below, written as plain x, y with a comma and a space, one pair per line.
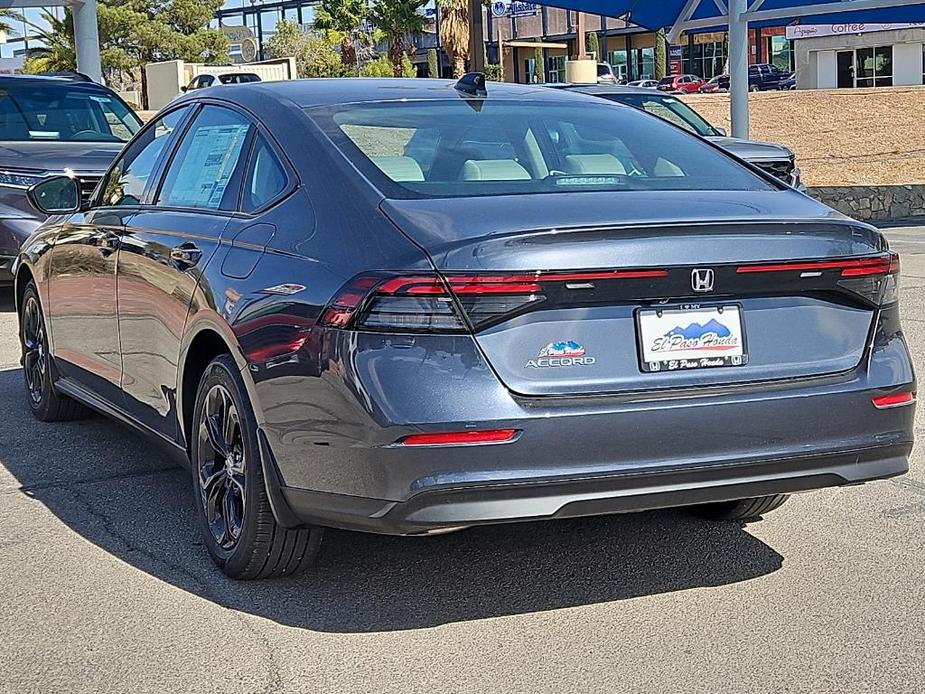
702, 280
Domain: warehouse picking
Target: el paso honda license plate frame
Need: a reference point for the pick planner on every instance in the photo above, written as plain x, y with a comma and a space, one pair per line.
691, 336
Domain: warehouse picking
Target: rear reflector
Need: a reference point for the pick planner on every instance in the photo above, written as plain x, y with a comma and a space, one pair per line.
885, 402
456, 438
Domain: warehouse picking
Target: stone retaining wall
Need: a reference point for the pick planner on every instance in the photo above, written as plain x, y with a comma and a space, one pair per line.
874, 203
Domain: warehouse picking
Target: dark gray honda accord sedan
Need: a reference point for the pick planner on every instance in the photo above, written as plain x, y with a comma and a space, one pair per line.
413, 306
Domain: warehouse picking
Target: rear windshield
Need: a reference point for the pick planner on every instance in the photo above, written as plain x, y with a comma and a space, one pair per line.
666, 80
458, 148
61, 112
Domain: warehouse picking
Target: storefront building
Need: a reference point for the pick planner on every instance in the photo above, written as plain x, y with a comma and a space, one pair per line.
845, 56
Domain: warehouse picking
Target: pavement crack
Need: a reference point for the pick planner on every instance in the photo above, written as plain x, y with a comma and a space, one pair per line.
30, 489
194, 584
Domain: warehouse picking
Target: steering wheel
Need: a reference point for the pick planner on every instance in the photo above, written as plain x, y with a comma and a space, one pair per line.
84, 133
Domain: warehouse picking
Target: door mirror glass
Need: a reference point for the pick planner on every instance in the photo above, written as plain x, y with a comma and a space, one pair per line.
56, 195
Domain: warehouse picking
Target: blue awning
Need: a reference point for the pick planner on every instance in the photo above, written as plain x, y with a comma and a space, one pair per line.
660, 14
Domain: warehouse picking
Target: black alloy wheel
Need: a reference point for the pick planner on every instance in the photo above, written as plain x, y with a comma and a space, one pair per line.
45, 402
35, 349
222, 467
232, 507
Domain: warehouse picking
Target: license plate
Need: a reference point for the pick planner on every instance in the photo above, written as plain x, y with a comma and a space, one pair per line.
699, 337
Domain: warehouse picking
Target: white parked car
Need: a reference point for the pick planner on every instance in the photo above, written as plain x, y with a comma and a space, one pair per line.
211, 79
645, 84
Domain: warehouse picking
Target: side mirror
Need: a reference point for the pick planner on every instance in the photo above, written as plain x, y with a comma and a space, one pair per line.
720, 131
56, 195
183, 89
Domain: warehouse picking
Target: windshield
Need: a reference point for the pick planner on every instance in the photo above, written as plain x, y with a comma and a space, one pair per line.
443, 148
667, 107
59, 112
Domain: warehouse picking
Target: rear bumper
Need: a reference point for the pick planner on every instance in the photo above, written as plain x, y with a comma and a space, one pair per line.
621, 493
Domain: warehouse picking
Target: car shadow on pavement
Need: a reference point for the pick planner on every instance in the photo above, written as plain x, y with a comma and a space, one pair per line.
112, 489
6, 300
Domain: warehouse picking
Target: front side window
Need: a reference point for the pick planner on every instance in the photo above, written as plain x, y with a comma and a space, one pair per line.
444, 148
125, 185
62, 112
208, 161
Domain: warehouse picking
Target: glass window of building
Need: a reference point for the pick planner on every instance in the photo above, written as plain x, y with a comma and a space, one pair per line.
618, 61
873, 67
779, 52
557, 68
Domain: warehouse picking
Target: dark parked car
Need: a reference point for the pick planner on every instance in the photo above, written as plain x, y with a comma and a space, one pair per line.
560, 308
761, 77
771, 158
685, 84
49, 125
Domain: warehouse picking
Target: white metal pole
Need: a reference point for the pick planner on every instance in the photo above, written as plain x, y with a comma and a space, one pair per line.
87, 40
738, 67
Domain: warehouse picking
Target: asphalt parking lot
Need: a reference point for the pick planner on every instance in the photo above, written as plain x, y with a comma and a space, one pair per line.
104, 586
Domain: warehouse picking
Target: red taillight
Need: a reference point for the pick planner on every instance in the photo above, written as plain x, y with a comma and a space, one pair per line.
850, 267
885, 402
426, 302
457, 438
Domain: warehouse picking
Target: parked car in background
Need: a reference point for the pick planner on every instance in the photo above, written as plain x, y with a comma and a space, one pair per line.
49, 126
209, 79
720, 83
645, 84
560, 308
680, 83
606, 74
765, 77
789, 83
774, 159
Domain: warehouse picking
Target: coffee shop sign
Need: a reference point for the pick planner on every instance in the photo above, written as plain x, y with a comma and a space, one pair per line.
516, 8
805, 31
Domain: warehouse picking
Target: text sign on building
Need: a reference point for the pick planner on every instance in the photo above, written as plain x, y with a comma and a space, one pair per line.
517, 8
806, 31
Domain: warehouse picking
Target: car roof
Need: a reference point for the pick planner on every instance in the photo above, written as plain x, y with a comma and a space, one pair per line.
49, 79
332, 91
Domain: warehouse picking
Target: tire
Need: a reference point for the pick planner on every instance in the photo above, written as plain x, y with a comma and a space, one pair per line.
241, 534
742, 509
45, 402
754, 88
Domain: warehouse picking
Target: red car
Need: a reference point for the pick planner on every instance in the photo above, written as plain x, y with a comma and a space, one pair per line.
680, 83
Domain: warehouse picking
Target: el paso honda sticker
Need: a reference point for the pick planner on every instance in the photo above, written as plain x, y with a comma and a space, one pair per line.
691, 338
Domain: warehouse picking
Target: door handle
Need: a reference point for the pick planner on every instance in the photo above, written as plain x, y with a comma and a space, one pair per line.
186, 255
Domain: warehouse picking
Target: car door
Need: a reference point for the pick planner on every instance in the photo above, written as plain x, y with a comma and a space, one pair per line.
82, 310
166, 245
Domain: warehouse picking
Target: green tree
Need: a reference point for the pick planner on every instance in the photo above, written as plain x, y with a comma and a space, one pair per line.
341, 20
661, 55
593, 45
382, 67
314, 55
433, 64
58, 52
454, 33
538, 66
396, 19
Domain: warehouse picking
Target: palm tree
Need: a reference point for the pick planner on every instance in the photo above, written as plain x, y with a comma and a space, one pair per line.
59, 52
341, 20
454, 33
395, 19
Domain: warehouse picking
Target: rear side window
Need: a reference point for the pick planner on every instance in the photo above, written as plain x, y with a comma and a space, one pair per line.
266, 178
207, 165
442, 148
125, 185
